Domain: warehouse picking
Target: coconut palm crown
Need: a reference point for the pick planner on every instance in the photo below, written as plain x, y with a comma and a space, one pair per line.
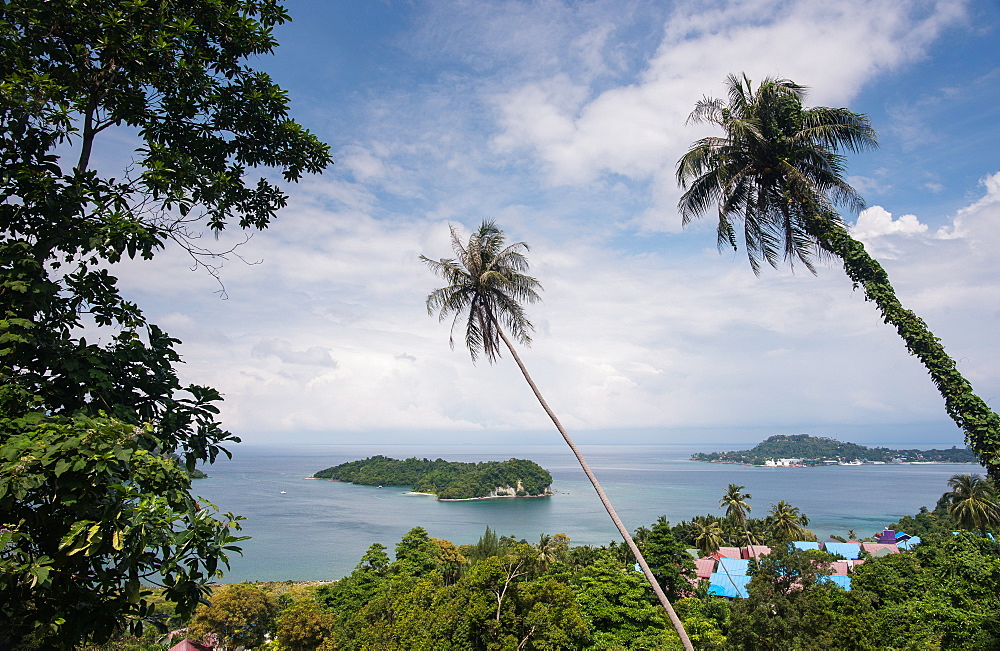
487, 283
775, 154
973, 502
778, 170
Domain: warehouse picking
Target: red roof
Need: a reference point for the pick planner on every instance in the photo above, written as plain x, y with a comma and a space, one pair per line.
727, 552
704, 567
755, 551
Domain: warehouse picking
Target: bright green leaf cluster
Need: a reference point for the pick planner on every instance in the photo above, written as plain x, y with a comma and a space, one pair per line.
89, 518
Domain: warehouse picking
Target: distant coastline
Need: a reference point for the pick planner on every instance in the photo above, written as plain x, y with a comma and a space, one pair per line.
802, 450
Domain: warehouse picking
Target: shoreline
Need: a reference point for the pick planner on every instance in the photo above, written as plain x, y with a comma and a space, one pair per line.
473, 499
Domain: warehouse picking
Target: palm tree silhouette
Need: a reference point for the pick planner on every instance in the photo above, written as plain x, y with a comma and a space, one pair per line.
776, 169
486, 282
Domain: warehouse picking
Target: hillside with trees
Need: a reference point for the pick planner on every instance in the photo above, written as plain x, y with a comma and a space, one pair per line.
449, 480
820, 450
505, 593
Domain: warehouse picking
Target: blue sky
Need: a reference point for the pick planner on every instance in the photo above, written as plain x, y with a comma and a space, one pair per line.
564, 121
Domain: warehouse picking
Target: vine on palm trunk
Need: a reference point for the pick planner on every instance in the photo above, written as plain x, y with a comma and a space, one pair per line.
777, 169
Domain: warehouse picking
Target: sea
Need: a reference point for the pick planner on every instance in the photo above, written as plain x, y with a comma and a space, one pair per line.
305, 529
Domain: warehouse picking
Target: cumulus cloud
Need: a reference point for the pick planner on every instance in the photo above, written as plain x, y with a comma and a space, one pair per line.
637, 130
876, 222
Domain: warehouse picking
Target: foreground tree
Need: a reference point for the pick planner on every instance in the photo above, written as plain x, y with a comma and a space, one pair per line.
776, 169
90, 506
487, 285
972, 501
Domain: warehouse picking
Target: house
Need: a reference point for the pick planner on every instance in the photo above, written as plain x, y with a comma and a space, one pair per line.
849, 550
753, 552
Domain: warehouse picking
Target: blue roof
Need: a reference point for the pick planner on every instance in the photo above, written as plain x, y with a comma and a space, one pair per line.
725, 585
908, 543
734, 566
805, 545
843, 581
850, 551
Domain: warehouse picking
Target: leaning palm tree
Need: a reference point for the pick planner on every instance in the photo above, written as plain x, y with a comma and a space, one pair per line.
777, 170
973, 502
486, 286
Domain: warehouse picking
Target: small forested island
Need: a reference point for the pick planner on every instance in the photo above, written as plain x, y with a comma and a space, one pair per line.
449, 480
806, 450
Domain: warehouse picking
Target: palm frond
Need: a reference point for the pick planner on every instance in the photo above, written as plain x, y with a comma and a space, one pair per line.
774, 158
486, 288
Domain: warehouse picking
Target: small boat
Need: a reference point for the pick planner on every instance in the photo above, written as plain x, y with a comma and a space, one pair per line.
282, 492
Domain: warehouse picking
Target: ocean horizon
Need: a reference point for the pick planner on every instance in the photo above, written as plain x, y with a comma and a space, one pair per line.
308, 529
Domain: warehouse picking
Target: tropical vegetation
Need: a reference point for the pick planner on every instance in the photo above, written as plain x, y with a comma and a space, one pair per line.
446, 479
777, 169
504, 593
486, 285
94, 508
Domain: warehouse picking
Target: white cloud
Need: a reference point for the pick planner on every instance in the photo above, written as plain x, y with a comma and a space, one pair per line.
875, 222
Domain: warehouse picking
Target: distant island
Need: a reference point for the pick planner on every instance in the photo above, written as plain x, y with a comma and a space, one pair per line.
449, 480
806, 450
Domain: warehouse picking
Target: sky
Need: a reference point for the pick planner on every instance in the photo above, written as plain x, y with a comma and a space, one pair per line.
563, 121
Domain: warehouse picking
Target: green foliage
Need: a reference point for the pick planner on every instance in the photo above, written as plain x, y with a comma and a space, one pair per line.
416, 554
304, 626
704, 620
667, 557
84, 529
88, 517
240, 614
944, 594
815, 449
973, 502
616, 603
446, 479
787, 607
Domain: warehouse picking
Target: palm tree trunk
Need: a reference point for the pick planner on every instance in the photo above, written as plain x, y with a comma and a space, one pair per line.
970, 412
678, 626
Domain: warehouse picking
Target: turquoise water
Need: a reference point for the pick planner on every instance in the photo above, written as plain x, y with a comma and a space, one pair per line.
307, 529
